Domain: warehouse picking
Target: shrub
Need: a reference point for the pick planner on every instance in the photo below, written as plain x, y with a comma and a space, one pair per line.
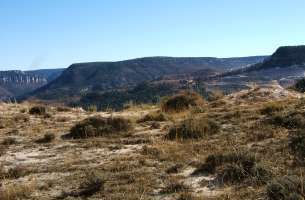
213, 161
286, 188
21, 118
155, 125
297, 144
63, 109
91, 185
9, 141
271, 108
91, 108
100, 126
193, 128
38, 110
235, 167
47, 138
154, 116
290, 120
187, 196
299, 85
173, 186
181, 102
215, 95
236, 173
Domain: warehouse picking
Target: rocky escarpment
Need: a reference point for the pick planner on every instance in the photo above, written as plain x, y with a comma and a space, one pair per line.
15, 82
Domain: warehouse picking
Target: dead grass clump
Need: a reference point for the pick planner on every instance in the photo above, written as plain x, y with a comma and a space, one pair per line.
47, 138
193, 128
38, 110
9, 141
260, 132
14, 172
92, 184
290, 120
15, 192
21, 118
100, 126
235, 167
154, 116
155, 125
174, 169
297, 145
286, 188
215, 95
63, 109
174, 186
147, 150
272, 107
181, 102
188, 196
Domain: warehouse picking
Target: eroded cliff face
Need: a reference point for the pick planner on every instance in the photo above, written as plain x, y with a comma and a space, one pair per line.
15, 83
19, 77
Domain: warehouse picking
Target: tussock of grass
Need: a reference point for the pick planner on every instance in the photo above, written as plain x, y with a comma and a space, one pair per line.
193, 128
297, 145
272, 107
286, 188
173, 186
234, 167
17, 191
63, 109
291, 120
38, 110
21, 117
9, 141
47, 138
100, 126
182, 102
154, 116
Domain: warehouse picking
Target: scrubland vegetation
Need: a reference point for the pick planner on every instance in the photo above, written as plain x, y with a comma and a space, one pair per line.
248, 145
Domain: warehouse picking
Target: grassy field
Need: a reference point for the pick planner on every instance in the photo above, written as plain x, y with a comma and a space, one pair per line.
248, 145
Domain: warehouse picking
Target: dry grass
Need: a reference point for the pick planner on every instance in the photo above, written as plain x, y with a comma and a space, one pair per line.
100, 126
182, 102
19, 191
153, 116
143, 164
193, 128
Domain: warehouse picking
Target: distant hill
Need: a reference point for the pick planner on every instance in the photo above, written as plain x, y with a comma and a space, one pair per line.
286, 65
49, 74
15, 83
83, 78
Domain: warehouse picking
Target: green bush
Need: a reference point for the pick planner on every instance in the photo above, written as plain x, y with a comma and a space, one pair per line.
193, 128
100, 126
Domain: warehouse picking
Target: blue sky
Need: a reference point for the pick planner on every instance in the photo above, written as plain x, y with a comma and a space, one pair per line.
56, 33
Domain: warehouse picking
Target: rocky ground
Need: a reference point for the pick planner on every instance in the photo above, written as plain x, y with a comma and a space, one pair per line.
143, 163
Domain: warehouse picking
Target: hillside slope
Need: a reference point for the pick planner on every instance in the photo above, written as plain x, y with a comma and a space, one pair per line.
104, 76
223, 149
286, 65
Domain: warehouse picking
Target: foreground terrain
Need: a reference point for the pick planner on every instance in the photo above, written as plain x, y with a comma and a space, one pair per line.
243, 152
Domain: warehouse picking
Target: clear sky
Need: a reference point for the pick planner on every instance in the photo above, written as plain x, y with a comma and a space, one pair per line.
56, 33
